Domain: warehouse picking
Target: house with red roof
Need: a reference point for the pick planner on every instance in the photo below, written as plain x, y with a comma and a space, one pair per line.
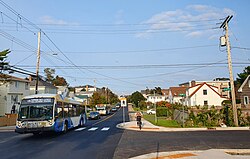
177, 94
204, 94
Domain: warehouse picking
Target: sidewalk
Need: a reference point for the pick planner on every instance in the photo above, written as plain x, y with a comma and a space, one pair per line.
207, 154
7, 128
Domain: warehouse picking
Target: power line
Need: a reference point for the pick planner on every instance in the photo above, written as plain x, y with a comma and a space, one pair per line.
139, 66
135, 51
242, 48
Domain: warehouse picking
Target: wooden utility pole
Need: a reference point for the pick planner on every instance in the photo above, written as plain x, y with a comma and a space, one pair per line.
38, 62
225, 26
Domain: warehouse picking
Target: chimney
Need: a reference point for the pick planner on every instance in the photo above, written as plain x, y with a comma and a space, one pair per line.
192, 83
87, 87
30, 78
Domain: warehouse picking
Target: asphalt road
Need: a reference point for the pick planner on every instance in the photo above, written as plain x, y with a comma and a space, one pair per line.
135, 143
98, 140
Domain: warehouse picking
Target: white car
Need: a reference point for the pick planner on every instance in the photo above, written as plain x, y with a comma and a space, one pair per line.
151, 111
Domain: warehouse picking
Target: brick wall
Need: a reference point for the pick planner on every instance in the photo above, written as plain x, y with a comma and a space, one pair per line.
8, 120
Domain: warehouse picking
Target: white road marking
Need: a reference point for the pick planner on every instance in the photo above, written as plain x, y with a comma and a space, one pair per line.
105, 129
93, 129
80, 129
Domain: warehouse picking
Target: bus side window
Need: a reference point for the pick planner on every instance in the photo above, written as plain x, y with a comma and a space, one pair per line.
74, 110
78, 110
59, 110
70, 110
66, 110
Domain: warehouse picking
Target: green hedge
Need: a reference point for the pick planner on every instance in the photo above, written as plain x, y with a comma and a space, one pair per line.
164, 112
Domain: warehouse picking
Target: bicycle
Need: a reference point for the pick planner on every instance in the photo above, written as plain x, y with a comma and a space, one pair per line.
139, 123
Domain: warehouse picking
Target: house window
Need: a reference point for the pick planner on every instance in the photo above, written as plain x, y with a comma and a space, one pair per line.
205, 102
14, 98
204, 92
26, 86
16, 84
246, 100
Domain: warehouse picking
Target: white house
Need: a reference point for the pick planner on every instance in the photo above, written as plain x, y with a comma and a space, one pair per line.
43, 87
220, 83
12, 90
204, 94
155, 98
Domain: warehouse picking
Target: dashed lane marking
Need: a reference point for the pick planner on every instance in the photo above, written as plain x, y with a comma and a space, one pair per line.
93, 129
105, 129
80, 129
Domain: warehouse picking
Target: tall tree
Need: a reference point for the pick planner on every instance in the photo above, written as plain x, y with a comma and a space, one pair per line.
49, 73
3, 56
242, 76
60, 81
136, 97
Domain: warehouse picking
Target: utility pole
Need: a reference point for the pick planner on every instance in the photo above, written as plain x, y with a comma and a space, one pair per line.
155, 109
38, 62
224, 25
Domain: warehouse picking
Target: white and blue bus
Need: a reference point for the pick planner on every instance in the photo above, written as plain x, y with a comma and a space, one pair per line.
49, 112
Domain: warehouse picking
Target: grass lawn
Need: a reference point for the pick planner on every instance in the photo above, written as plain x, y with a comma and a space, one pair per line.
161, 121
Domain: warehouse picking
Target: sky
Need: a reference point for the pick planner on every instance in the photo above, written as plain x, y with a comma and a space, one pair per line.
126, 45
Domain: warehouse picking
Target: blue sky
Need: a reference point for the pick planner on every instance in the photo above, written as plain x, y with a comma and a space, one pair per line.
127, 45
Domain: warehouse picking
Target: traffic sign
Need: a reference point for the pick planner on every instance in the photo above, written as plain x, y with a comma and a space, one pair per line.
182, 95
226, 89
123, 102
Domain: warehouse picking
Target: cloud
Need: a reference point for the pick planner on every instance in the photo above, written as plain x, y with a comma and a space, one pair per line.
194, 34
51, 20
193, 21
119, 17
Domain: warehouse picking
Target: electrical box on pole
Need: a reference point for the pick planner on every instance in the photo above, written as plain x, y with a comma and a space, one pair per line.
223, 41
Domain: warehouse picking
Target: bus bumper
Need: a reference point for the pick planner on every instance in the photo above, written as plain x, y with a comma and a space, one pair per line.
33, 130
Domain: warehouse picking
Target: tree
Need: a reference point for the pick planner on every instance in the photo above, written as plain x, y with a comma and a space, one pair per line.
60, 81
136, 97
49, 72
156, 90
3, 56
242, 76
97, 98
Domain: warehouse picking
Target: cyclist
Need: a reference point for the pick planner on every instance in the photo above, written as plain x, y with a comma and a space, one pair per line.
138, 119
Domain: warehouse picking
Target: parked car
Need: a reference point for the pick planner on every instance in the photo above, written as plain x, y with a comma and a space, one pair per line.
114, 109
118, 105
94, 115
151, 111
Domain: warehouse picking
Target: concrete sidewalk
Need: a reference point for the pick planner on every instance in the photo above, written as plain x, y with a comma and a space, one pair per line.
147, 126
7, 128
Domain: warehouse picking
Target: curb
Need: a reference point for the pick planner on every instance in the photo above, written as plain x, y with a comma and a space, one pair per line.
210, 153
131, 126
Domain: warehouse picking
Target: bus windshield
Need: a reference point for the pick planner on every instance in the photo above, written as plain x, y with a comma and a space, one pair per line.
36, 110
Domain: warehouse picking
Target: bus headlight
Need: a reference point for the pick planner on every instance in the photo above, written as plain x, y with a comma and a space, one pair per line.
19, 124
50, 122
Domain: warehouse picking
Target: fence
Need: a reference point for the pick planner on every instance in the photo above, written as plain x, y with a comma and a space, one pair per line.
8, 120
